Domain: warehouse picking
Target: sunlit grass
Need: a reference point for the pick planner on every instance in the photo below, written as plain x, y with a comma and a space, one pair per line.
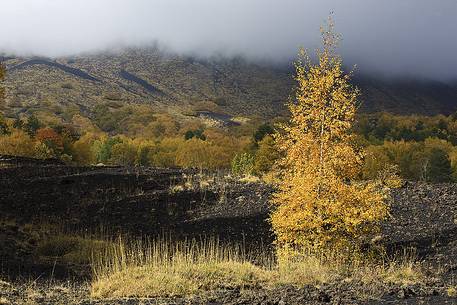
163, 268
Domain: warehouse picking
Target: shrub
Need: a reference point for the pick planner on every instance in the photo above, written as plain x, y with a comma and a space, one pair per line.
142, 158
18, 124
68, 86
42, 151
113, 96
83, 149
266, 156
194, 153
51, 139
439, 166
32, 125
123, 154
243, 164
262, 131
164, 154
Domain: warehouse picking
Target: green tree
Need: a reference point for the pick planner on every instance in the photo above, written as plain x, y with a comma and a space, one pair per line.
32, 125
104, 153
439, 168
262, 131
4, 128
198, 134
105, 119
266, 155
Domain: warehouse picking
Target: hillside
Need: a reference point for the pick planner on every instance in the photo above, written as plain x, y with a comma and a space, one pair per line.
178, 84
143, 77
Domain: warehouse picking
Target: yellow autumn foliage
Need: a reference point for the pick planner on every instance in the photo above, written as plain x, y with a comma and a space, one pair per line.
318, 203
18, 143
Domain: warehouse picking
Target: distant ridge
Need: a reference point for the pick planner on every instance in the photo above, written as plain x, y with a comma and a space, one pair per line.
234, 86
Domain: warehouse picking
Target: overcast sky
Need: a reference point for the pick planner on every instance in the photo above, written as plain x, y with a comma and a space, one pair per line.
413, 37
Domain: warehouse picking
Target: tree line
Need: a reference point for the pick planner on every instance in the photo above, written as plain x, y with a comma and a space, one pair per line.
427, 153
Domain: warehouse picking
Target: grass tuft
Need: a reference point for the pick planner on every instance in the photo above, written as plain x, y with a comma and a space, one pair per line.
72, 248
162, 268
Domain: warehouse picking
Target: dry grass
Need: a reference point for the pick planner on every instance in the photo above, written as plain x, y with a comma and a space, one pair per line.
163, 269
72, 248
178, 280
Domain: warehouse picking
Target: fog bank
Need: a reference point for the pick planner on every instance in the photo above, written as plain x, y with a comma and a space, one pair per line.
399, 37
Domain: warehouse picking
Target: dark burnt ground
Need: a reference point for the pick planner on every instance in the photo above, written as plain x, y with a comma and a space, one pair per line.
424, 217
128, 201
343, 294
149, 201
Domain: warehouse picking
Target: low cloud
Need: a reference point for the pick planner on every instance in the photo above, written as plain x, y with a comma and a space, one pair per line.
391, 37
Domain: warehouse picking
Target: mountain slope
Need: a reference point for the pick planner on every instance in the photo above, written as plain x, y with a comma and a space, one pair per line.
403, 96
181, 84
